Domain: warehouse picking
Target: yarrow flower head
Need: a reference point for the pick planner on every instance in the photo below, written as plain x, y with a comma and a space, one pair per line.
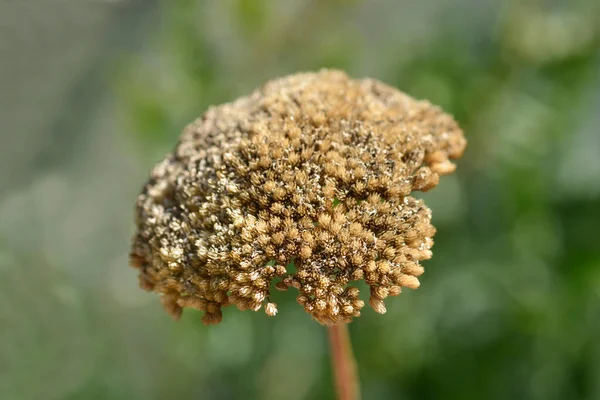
306, 183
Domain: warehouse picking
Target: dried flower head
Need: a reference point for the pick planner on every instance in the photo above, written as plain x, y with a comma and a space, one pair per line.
305, 183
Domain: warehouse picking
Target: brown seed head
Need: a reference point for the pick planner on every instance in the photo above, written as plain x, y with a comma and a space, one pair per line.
313, 171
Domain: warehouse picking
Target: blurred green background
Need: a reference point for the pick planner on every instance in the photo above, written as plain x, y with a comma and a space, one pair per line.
94, 92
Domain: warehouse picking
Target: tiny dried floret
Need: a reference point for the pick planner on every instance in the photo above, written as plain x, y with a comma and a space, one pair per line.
306, 183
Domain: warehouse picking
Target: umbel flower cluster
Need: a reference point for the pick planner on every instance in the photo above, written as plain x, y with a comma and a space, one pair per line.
306, 183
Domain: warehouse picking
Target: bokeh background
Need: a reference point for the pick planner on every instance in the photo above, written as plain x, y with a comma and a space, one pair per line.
94, 92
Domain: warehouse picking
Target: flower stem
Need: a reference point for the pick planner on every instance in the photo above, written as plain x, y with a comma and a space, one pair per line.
343, 363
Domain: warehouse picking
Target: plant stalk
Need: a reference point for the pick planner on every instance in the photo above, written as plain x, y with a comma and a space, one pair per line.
343, 363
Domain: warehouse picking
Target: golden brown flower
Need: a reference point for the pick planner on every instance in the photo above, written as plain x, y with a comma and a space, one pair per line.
305, 183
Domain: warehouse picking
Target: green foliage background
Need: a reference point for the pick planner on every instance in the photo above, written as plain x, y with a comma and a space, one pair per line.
509, 306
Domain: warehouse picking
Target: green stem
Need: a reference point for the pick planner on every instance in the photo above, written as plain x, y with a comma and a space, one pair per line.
343, 363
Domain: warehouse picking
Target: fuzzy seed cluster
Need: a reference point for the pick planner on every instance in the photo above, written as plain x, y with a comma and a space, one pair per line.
306, 184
